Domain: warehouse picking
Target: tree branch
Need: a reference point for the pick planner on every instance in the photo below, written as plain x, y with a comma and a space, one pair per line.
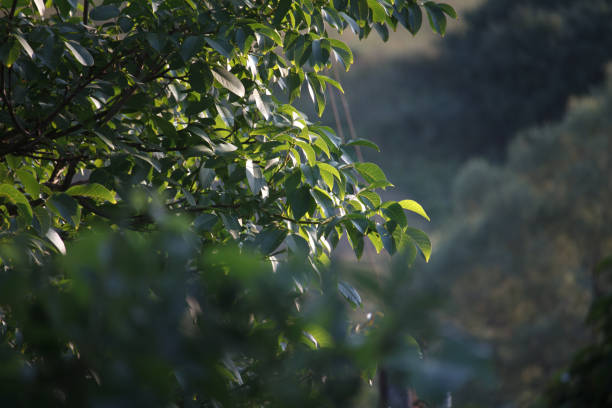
7, 102
85, 11
12, 12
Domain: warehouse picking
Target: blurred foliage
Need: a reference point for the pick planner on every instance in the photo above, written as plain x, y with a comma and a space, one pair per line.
540, 223
506, 65
167, 222
588, 381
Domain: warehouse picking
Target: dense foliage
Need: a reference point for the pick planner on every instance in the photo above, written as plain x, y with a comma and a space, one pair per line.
588, 380
548, 211
144, 140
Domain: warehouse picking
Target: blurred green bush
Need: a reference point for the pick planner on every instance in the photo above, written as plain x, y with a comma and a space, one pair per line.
524, 243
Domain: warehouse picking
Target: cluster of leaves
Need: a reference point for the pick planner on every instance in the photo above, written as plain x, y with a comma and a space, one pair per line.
122, 114
177, 97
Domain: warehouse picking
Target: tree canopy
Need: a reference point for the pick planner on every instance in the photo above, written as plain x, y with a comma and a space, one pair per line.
141, 142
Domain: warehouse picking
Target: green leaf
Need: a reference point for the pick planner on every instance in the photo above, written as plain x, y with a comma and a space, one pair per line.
375, 240
42, 220
421, 240
30, 184
268, 32
330, 81
66, 207
379, 14
256, 180
10, 52
324, 201
93, 190
56, 240
221, 47
40, 6
415, 207
370, 199
298, 245
448, 9
200, 77
343, 52
355, 238
308, 152
261, 105
228, 81
80, 53
206, 176
372, 174
105, 12
350, 293
225, 149
26, 47
437, 19
281, 11
191, 46
205, 222
270, 239
363, 142
415, 18
300, 201
395, 212
15, 197
387, 239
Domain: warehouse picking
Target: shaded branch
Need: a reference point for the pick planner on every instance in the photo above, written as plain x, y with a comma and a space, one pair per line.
6, 99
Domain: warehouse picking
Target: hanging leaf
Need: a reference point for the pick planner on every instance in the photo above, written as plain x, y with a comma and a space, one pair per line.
56, 240
40, 6
229, 81
421, 240
350, 293
437, 19
26, 47
79, 53
256, 180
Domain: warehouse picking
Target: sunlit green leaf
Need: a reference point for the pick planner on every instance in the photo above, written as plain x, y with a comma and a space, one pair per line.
93, 190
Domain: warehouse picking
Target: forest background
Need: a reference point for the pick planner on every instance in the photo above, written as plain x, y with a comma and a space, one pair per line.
502, 130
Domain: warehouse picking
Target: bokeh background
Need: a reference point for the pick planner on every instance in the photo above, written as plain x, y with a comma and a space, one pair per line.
502, 130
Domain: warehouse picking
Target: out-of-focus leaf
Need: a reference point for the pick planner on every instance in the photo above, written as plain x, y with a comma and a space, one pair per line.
104, 12
350, 293
421, 240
